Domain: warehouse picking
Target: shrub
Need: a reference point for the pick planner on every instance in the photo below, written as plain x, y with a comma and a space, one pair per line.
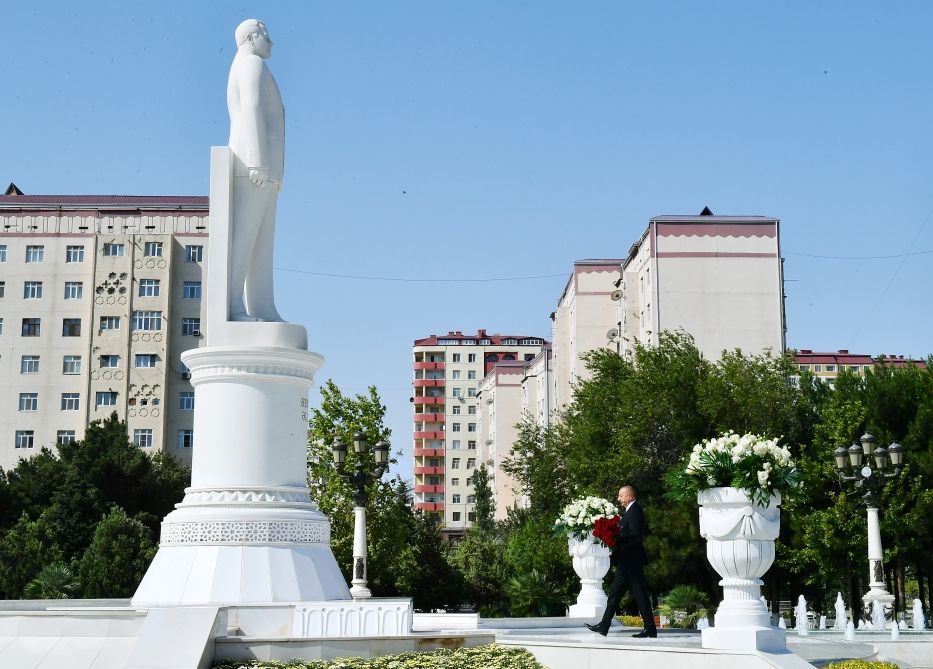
54, 581
683, 606
861, 664
499, 657
630, 621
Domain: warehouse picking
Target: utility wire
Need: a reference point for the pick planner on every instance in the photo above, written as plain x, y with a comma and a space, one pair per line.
896, 255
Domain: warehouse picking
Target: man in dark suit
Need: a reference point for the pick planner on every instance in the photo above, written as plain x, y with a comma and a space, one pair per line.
629, 559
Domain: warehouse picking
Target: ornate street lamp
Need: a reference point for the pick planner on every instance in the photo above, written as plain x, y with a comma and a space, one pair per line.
861, 471
359, 479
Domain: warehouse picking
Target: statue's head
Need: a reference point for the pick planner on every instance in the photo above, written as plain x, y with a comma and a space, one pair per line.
253, 36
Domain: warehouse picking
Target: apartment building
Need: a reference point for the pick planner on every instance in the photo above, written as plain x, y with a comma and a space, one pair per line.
720, 278
448, 370
827, 366
99, 296
539, 399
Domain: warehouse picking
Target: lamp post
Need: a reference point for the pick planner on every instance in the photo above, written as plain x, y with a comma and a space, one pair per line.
359, 479
858, 461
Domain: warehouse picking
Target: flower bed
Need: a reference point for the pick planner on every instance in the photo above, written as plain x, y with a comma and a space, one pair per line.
491, 656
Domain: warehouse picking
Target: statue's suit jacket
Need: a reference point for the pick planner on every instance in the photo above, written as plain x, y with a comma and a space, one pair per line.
257, 116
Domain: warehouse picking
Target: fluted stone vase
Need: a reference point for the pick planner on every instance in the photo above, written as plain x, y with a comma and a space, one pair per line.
590, 562
740, 536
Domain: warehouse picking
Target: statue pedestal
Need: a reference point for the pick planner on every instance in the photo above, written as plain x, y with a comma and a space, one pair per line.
246, 531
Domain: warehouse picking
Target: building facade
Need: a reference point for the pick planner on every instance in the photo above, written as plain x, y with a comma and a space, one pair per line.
719, 278
99, 296
448, 370
827, 366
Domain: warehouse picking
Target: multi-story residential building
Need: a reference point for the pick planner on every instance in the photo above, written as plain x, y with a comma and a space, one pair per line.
719, 278
827, 366
539, 400
99, 295
585, 313
500, 402
447, 373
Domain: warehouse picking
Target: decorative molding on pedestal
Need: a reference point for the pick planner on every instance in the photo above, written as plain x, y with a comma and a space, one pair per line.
209, 496
740, 538
372, 617
240, 532
590, 562
220, 363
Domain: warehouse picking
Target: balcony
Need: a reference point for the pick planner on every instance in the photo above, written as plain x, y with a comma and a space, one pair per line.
429, 400
429, 470
429, 435
429, 452
429, 506
428, 383
429, 418
437, 487
429, 365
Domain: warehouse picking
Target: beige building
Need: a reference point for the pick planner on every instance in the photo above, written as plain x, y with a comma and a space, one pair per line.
539, 400
720, 278
448, 370
500, 410
100, 295
582, 322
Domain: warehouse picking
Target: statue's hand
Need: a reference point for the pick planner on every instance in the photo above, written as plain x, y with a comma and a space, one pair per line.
259, 176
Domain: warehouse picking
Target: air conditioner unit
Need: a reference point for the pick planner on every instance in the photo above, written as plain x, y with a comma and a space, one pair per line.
489, 442
196, 333
186, 375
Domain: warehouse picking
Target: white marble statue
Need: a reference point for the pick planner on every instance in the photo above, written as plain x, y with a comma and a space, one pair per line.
257, 139
800, 611
841, 617
919, 619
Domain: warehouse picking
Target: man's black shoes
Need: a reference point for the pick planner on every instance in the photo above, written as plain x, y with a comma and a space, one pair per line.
595, 628
645, 634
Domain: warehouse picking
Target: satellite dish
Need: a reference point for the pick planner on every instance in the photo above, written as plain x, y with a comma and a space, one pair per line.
612, 333
616, 295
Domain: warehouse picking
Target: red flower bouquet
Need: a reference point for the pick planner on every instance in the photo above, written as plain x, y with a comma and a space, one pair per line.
607, 530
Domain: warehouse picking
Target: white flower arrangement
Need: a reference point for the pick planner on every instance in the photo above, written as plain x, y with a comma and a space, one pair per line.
751, 462
578, 518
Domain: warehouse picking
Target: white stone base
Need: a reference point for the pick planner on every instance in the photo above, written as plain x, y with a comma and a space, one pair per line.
745, 638
591, 609
372, 617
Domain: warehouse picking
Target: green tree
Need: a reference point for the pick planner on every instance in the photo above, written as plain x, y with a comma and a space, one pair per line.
485, 506
117, 559
54, 581
24, 549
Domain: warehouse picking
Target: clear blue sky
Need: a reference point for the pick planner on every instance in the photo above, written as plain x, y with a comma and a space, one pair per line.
477, 140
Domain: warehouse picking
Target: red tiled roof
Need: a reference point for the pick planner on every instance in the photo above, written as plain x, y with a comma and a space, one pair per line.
495, 339
96, 201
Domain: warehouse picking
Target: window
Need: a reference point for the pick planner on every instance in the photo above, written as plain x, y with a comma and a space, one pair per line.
186, 400
29, 401
2, 252
455, 498
153, 249
471, 463
830, 368
148, 287
853, 368
114, 249
469, 480
471, 427
74, 254
455, 463
455, 410
32, 290
471, 374
71, 401
471, 392
147, 320
24, 438
106, 398
817, 368
185, 438
142, 438
71, 364
35, 253
455, 427
456, 357
74, 290
455, 374
1, 326
509, 342
146, 359
31, 327
194, 253
471, 410
454, 482
29, 364
471, 444
63, 437
455, 444
804, 368
191, 327
71, 327
455, 392
109, 361
471, 357
192, 290
471, 516
456, 516
471, 499
2, 288
529, 357
109, 323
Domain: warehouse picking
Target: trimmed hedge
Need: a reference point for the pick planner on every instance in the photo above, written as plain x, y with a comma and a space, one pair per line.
488, 657
862, 664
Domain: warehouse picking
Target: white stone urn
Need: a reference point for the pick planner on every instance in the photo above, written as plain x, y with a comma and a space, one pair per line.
740, 536
590, 562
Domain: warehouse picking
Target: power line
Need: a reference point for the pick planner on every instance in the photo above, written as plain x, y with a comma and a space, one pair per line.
896, 255
416, 280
